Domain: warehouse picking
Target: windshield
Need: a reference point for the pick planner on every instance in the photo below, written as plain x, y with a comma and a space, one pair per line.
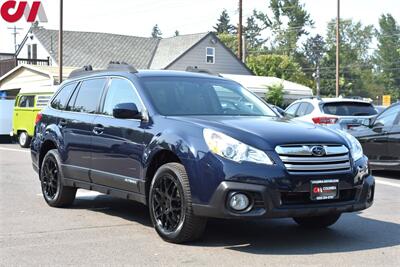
181, 96
349, 109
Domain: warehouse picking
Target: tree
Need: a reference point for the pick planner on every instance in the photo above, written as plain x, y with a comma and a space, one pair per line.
252, 31
313, 52
288, 24
156, 32
230, 40
355, 59
176, 33
223, 24
387, 56
280, 66
275, 95
314, 49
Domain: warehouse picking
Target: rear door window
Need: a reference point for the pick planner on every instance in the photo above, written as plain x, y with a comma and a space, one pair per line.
292, 109
62, 97
349, 109
88, 97
302, 109
26, 101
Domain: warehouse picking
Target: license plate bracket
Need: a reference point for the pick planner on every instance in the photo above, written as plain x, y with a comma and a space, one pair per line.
327, 189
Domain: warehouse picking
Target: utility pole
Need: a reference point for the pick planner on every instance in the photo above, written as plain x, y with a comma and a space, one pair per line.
337, 47
60, 44
317, 78
240, 44
244, 55
15, 33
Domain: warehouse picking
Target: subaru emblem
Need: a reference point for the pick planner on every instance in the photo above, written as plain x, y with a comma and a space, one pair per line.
318, 151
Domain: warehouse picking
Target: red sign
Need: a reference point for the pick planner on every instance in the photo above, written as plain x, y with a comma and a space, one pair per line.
12, 11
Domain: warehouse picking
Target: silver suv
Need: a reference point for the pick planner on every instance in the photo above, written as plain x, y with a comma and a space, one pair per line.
338, 113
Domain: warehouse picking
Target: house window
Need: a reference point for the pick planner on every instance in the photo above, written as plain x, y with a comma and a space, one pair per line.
210, 55
29, 52
34, 51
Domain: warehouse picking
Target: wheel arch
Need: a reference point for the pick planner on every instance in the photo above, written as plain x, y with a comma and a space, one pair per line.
159, 158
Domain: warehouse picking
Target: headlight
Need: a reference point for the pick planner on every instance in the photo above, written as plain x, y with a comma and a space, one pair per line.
229, 148
355, 146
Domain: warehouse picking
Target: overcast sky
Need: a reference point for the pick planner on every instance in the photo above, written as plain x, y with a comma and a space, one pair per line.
137, 17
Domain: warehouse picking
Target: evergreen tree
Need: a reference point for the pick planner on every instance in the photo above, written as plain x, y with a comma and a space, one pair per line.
387, 56
252, 32
224, 24
156, 32
176, 33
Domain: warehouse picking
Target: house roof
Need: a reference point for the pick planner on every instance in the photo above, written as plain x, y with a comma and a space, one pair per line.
51, 72
169, 49
98, 49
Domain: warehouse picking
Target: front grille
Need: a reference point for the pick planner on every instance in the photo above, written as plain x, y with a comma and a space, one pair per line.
301, 159
302, 198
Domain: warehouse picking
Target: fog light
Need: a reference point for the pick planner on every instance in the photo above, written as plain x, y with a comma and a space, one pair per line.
239, 201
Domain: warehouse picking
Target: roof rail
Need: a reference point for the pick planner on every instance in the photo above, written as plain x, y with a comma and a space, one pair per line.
112, 66
205, 71
121, 66
81, 71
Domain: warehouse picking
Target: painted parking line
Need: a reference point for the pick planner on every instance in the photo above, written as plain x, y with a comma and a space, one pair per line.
379, 181
15, 150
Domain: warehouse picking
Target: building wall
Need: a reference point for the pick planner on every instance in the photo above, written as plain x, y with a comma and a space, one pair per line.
224, 62
41, 51
25, 78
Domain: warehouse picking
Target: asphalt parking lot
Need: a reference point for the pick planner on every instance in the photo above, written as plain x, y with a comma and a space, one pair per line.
100, 230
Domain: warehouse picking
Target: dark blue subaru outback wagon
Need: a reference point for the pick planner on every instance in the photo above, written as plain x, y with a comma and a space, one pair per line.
193, 146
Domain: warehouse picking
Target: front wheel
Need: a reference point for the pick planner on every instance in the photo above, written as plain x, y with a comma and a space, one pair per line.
24, 139
322, 221
170, 204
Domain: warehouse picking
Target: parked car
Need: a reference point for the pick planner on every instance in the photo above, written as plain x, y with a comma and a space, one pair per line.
337, 113
169, 140
380, 139
27, 105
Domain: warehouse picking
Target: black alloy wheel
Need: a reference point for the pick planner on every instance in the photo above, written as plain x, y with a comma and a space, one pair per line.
54, 191
170, 205
167, 204
50, 178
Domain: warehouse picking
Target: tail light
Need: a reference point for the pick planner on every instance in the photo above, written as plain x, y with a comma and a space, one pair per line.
325, 120
38, 118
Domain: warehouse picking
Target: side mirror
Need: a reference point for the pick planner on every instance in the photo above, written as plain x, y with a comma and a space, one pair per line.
377, 126
127, 111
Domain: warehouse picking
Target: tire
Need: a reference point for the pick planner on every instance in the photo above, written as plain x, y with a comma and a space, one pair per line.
54, 192
170, 205
317, 221
24, 139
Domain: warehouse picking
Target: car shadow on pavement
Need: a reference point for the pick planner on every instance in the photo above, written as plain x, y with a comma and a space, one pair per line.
352, 232
283, 237
125, 209
387, 174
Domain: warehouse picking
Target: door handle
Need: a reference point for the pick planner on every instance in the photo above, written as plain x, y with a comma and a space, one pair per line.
62, 123
98, 129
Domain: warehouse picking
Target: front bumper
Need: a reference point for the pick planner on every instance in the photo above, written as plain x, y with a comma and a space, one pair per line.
268, 203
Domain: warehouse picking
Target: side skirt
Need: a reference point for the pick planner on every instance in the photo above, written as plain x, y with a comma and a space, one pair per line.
141, 198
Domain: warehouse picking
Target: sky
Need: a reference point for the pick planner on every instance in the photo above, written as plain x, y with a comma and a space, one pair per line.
137, 17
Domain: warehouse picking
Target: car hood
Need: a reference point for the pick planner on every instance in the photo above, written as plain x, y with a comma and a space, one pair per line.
267, 133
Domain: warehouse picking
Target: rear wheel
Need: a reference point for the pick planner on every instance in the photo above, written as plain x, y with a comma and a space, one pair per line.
322, 221
54, 192
170, 204
24, 139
